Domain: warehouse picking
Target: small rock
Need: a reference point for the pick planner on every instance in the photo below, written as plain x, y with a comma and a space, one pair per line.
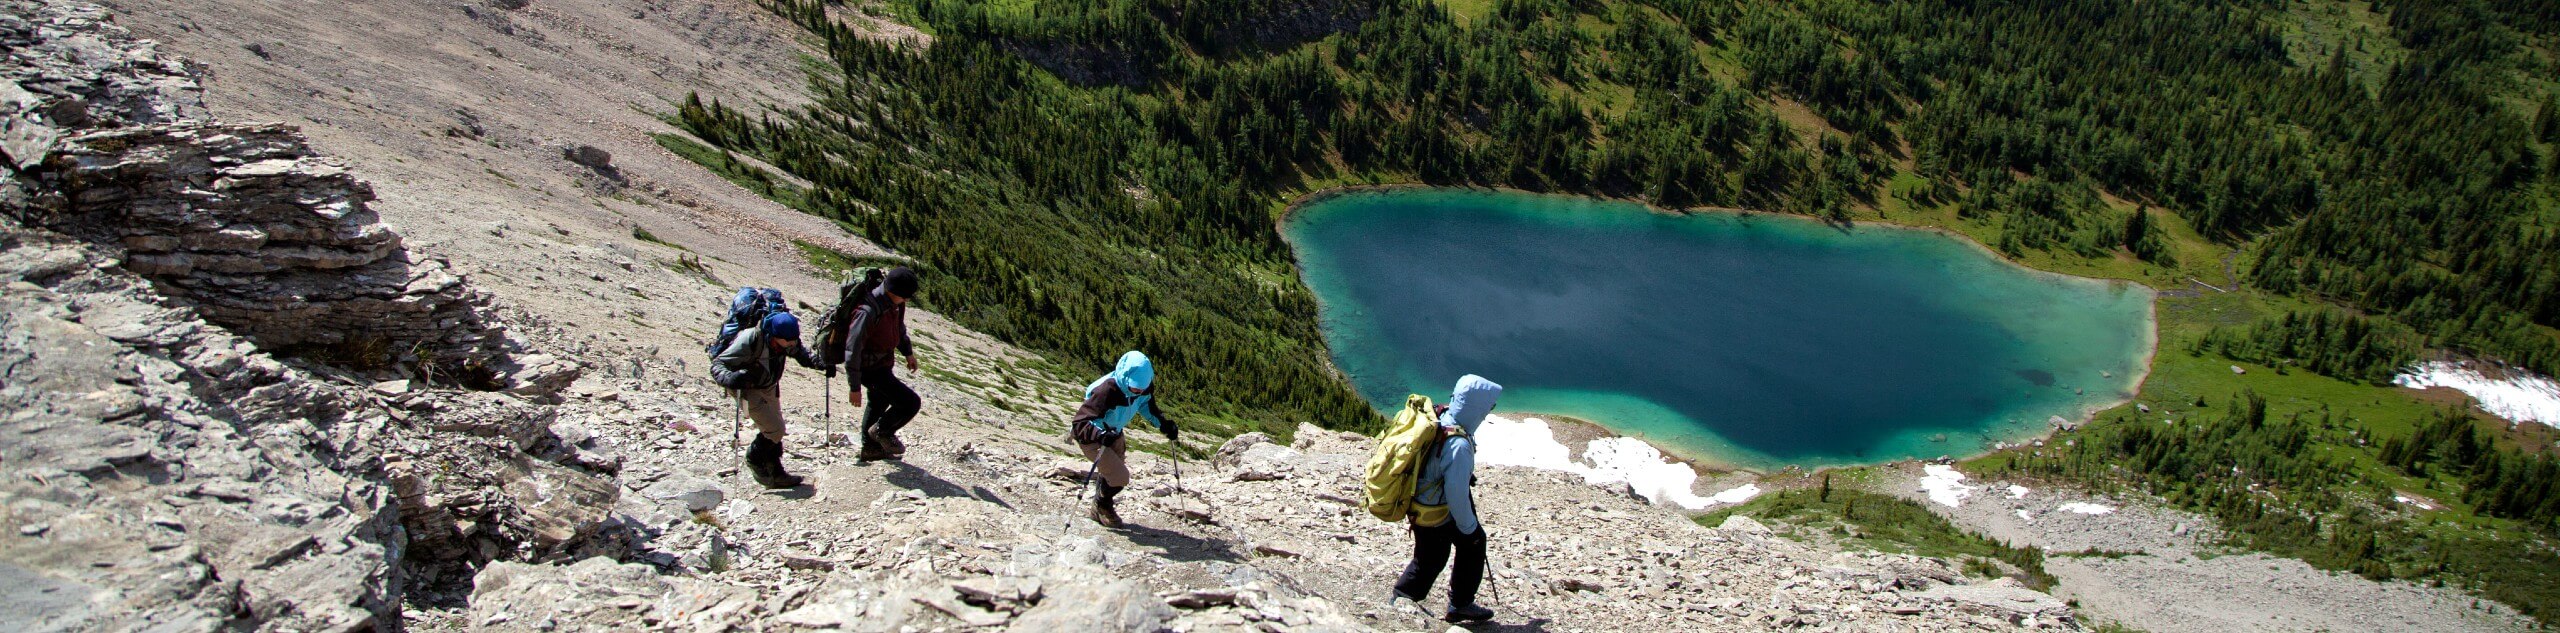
588, 155
810, 563
1578, 584
32, 530
1009, 594
1066, 472
697, 494
1202, 598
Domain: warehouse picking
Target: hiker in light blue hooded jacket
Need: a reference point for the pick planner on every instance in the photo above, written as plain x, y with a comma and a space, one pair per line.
1127, 393
1448, 478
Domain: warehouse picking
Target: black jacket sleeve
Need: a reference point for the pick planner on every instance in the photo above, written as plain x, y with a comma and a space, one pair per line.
1163, 424
1102, 401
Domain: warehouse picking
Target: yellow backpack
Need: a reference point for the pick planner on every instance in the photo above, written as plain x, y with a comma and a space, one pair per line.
1396, 465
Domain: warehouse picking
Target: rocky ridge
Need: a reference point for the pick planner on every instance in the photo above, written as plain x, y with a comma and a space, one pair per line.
243, 222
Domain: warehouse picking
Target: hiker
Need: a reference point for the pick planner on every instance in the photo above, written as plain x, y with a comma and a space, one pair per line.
1098, 426
878, 331
1446, 478
751, 366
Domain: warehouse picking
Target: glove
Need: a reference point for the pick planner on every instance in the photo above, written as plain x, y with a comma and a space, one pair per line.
1172, 434
831, 371
1482, 534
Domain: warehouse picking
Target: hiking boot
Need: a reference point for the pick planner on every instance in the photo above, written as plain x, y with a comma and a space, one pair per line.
888, 443
1468, 613
764, 461
1106, 516
1105, 511
782, 481
872, 452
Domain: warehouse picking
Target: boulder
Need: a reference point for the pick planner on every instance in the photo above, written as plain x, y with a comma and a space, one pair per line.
1098, 605
559, 506
588, 155
1235, 447
1266, 462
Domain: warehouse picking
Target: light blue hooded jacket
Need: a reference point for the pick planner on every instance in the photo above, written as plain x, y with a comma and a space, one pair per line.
1133, 372
1454, 468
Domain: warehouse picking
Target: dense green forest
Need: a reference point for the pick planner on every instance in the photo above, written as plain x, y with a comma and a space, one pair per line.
2379, 180
1096, 175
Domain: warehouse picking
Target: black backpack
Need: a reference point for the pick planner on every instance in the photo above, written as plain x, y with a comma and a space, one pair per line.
835, 324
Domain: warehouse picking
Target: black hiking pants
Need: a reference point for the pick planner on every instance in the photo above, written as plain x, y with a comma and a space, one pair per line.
887, 403
1431, 547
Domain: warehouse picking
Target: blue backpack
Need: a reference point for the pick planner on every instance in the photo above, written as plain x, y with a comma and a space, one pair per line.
747, 310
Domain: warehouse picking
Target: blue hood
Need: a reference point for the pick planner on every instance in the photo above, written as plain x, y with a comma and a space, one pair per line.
1470, 401
1133, 372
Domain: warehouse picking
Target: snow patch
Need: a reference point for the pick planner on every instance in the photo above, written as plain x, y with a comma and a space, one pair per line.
2022, 516
1532, 443
2017, 491
2521, 396
1737, 494
2420, 503
1944, 485
2084, 508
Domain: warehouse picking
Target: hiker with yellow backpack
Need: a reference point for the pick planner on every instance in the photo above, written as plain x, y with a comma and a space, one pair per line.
1422, 473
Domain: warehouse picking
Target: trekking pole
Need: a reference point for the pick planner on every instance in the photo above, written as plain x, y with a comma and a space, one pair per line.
1087, 486
1177, 468
736, 426
827, 395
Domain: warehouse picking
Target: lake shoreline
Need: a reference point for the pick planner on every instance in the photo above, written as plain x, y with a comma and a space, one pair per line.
1582, 431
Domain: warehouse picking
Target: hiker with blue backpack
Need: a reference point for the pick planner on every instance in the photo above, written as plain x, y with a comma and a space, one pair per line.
1110, 402
1444, 508
747, 359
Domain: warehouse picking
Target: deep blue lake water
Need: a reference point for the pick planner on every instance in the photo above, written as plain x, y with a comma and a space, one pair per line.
1756, 341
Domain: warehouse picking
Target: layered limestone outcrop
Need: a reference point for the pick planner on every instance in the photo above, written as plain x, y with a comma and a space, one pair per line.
160, 467
243, 222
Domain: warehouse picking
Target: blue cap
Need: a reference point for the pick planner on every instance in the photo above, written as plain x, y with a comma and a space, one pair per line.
782, 326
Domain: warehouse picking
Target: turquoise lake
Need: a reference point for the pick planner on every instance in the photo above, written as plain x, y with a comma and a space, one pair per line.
1749, 340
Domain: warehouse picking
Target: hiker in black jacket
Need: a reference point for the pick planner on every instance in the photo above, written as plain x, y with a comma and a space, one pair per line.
752, 363
879, 329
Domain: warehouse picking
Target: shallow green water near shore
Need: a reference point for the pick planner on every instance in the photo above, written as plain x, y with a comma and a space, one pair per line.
1749, 340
